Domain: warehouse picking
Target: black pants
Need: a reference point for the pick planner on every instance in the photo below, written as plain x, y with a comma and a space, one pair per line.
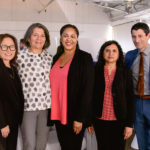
67, 138
109, 135
9, 143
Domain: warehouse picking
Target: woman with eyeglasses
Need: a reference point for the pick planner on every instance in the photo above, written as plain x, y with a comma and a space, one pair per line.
33, 67
11, 95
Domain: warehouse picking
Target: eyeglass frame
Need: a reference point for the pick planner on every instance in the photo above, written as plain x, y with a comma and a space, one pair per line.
8, 47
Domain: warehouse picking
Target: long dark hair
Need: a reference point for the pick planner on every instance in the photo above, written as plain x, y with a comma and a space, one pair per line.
6, 35
101, 60
60, 48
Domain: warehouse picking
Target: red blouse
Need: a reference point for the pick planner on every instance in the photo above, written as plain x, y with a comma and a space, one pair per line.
108, 109
58, 80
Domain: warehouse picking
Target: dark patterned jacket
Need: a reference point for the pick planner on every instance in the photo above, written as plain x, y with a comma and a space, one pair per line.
122, 92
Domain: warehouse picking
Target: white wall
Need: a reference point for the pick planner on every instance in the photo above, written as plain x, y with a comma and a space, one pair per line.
93, 36
122, 34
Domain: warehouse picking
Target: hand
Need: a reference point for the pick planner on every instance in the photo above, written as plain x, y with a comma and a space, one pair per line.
77, 127
5, 131
127, 132
91, 130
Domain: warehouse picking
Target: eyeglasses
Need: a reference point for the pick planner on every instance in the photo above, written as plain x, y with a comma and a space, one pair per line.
5, 47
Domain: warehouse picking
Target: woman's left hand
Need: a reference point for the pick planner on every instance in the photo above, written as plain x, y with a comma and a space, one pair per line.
77, 127
127, 132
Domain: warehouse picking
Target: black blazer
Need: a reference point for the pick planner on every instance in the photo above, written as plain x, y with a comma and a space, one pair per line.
79, 87
122, 92
11, 98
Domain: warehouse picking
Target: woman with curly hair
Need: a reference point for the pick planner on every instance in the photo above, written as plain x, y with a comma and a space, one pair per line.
113, 98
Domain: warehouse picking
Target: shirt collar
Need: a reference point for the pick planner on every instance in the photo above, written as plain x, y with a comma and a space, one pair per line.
36, 55
146, 51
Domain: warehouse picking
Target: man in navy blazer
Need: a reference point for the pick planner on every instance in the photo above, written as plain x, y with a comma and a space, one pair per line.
140, 35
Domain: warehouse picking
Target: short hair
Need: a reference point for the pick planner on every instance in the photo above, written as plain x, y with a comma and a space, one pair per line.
101, 60
30, 30
22, 41
142, 26
6, 35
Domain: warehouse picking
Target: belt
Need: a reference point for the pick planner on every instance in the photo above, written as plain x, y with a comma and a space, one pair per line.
144, 97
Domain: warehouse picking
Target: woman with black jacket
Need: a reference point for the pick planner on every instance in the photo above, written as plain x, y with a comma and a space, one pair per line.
113, 98
72, 81
11, 96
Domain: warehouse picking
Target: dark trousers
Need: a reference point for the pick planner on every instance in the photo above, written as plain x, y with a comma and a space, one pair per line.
10, 142
67, 138
109, 135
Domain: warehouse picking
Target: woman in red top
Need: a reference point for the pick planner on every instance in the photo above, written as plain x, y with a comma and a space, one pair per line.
113, 98
72, 81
